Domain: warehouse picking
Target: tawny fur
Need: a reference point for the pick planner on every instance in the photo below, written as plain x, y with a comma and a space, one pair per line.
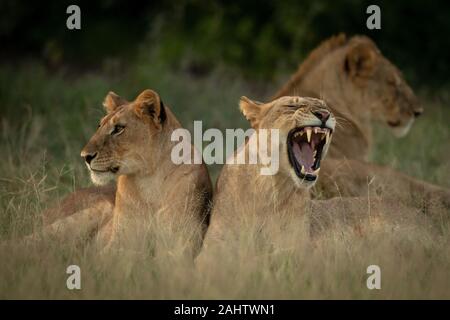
148, 182
359, 85
242, 193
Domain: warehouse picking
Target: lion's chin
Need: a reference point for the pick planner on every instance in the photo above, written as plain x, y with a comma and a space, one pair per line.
102, 178
301, 183
402, 131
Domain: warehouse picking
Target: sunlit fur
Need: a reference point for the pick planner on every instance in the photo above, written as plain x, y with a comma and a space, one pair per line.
149, 184
242, 191
133, 151
284, 114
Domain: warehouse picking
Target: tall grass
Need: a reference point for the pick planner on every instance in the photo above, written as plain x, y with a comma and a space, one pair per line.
46, 119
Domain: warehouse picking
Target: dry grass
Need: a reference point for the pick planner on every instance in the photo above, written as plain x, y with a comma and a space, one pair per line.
264, 260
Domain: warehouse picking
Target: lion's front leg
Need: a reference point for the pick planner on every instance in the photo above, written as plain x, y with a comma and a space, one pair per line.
81, 225
77, 201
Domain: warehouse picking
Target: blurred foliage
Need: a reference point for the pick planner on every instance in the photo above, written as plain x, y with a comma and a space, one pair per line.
255, 37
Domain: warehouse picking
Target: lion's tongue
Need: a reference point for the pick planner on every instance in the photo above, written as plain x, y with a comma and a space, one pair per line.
303, 152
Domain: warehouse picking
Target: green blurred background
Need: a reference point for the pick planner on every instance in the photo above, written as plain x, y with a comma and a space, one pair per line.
255, 37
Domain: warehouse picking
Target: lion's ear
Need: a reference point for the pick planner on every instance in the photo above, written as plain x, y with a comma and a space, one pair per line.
112, 101
149, 104
360, 62
252, 110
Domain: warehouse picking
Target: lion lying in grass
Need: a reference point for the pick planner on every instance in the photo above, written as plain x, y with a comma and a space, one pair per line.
305, 128
360, 85
133, 145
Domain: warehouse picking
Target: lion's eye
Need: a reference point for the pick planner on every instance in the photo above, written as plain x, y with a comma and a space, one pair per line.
118, 129
392, 81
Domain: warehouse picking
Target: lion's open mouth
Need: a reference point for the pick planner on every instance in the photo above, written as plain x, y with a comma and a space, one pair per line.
112, 170
305, 146
394, 123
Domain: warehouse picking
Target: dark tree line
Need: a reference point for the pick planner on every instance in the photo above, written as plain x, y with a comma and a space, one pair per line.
255, 37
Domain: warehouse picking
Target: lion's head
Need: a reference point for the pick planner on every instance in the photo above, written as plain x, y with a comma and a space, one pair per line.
127, 139
381, 84
354, 75
305, 129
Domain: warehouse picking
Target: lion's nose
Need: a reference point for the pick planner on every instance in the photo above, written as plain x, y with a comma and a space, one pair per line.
417, 113
88, 157
322, 115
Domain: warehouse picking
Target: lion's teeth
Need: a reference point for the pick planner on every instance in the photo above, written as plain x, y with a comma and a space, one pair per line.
308, 134
303, 170
316, 129
315, 153
327, 136
316, 172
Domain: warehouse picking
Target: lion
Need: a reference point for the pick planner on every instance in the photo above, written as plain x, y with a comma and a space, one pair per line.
361, 86
306, 127
133, 146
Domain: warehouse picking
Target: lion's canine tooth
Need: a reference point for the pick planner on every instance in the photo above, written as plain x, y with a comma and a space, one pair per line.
327, 136
314, 154
316, 172
315, 129
308, 134
303, 170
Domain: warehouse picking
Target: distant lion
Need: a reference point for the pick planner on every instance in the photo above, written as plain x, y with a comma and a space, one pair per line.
359, 85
